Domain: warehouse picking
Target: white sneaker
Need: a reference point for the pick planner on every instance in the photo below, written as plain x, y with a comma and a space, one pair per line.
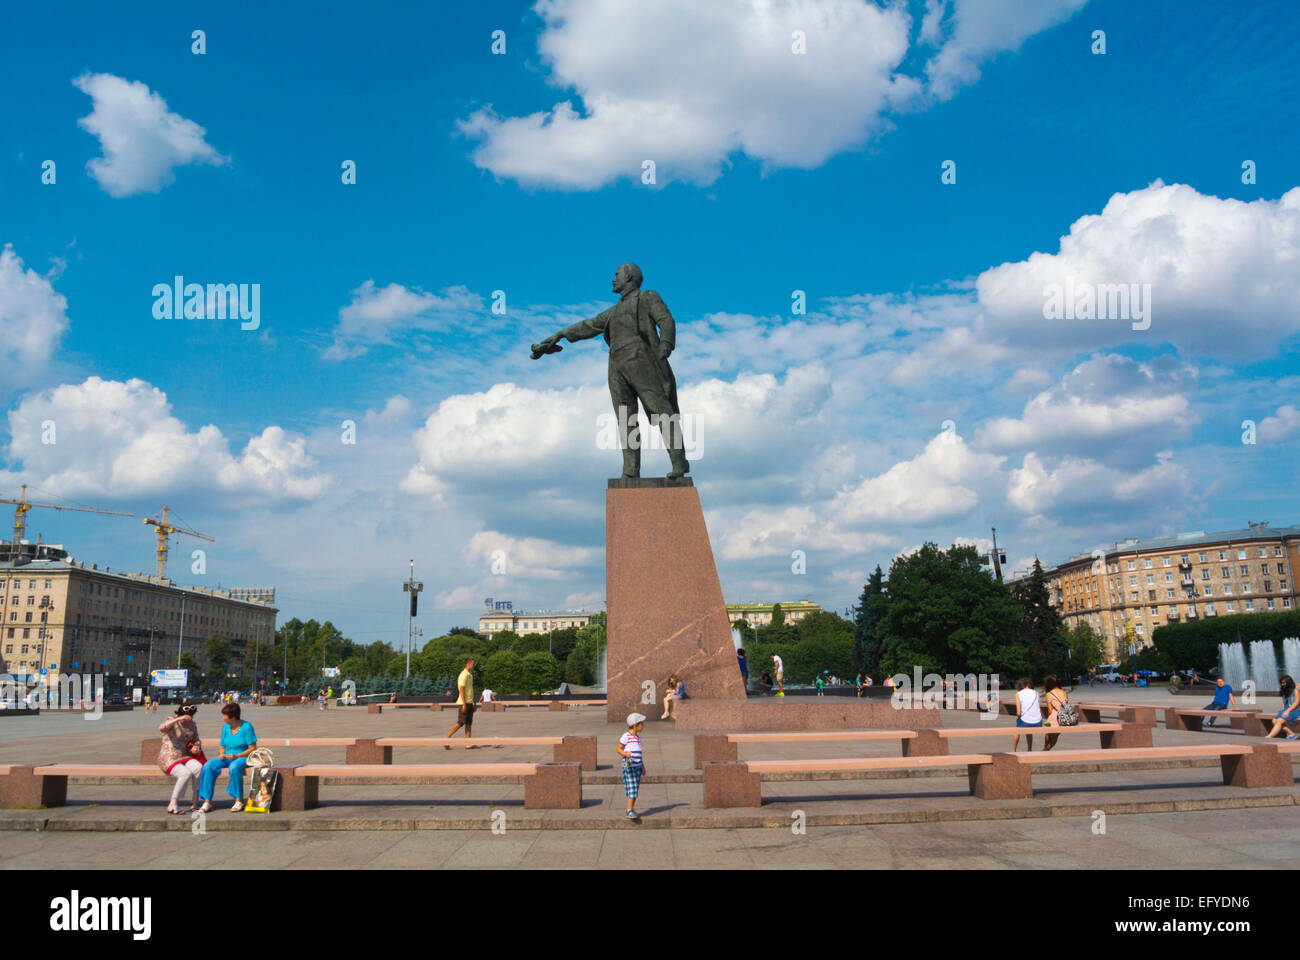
631, 815
239, 805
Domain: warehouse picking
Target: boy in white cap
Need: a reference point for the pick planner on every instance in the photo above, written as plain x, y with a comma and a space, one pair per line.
629, 748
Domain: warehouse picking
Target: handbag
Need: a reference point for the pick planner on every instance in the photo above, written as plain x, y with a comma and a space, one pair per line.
263, 783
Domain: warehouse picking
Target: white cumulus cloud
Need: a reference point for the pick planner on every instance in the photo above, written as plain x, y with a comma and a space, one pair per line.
33, 317
377, 313
141, 140
120, 439
940, 482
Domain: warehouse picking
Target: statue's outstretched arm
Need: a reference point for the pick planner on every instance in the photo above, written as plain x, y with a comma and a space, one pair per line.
582, 330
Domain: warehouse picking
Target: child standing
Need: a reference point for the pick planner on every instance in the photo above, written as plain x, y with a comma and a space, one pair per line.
629, 748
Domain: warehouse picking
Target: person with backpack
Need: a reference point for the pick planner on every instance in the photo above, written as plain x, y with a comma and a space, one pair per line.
1060, 711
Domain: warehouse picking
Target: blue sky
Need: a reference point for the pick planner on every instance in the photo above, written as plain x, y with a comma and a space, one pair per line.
775, 172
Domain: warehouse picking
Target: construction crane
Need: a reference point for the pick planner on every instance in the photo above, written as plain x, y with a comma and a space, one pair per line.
22, 505
165, 530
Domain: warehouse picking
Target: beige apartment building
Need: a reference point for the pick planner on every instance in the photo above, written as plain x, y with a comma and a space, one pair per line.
525, 623
71, 617
760, 614
755, 614
1126, 592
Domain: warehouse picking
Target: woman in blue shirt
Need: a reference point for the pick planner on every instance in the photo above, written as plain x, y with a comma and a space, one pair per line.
1288, 718
238, 740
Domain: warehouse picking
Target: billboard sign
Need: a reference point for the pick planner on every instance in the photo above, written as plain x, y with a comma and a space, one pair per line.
170, 678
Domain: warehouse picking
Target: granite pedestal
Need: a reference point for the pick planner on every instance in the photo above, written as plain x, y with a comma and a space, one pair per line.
665, 609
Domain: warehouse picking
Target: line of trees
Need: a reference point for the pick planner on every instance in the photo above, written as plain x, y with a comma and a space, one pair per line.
942, 611
507, 662
1195, 643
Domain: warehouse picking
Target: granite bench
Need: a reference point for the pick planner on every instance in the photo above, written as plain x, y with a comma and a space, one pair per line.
915, 743
739, 784
1178, 718
547, 786
47, 786
363, 750
1242, 765
1003, 776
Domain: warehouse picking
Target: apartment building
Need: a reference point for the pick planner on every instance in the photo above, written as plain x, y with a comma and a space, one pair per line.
1126, 592
64, 616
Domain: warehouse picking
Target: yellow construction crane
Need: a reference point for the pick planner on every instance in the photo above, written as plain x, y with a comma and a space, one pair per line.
22, 505
165, 530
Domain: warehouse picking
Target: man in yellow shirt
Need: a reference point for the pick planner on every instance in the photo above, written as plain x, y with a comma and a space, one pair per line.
464, 703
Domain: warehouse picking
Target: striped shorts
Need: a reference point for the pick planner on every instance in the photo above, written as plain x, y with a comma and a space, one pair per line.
632, 778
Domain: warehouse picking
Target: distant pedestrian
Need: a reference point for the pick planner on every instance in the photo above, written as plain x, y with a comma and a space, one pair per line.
744, 666
765, 684
780, 675
629, 748
464, 703
821, 686
1029, 712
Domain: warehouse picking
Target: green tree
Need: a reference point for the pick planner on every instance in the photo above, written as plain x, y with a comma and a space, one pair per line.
1085, 648
218, 654
1040, 625
504, 672
580, 667
196, 674
539, 672
867, 642
529, 643
947, 615
778, 616
562, 642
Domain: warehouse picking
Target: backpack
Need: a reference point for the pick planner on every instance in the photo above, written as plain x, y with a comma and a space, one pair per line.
1067, 716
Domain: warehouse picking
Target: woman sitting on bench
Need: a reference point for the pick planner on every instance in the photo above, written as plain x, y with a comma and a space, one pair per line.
1288, 718
1029, 712
1056, 699
238, 740
181, 754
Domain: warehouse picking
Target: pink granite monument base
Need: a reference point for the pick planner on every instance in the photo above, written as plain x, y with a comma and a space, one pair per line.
801, 713
665, 609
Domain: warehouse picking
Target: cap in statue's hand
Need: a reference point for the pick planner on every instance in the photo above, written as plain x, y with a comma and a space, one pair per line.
546, 346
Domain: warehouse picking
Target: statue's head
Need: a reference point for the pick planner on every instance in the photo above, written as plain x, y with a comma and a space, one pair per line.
627, 278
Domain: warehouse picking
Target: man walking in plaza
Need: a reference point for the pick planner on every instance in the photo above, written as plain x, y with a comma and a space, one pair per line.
780, 675
464, 703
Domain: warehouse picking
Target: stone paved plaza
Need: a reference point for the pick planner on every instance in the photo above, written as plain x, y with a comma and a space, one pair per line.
1157, 815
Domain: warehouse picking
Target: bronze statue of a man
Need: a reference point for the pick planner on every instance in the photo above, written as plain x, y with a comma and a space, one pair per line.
640, 332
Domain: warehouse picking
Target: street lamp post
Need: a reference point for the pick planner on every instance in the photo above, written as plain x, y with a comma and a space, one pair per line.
413, 587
